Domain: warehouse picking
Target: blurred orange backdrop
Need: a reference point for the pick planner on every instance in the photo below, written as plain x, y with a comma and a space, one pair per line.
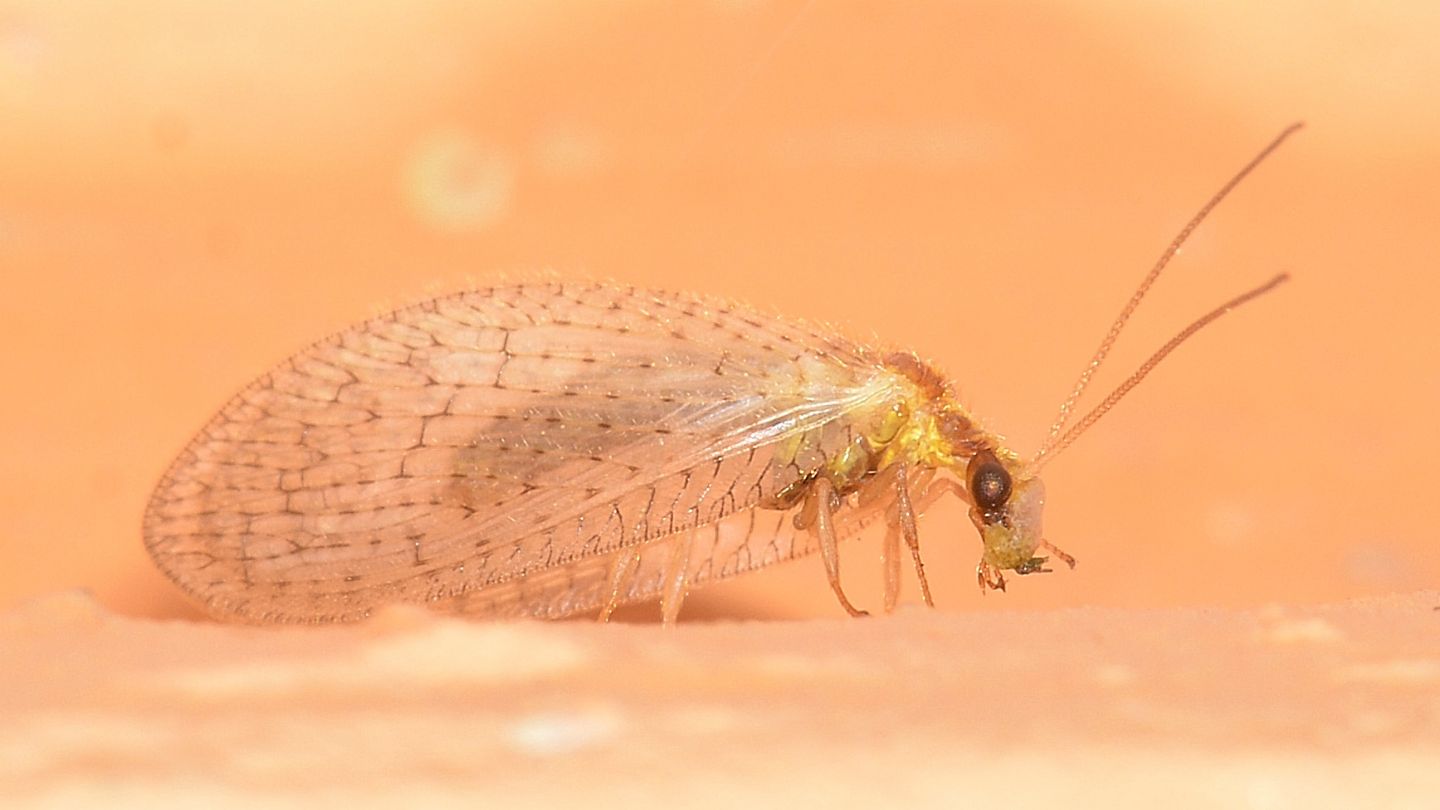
190, 191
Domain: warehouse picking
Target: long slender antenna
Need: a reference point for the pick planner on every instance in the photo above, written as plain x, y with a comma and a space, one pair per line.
1066, 408
1145, 368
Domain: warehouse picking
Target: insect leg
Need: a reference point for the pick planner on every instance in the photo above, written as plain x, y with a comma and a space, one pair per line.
937, 489
826, 500
905, 519
989, 577
876, 489
890, 559
931, 491
625, 562
677, 575
871, 498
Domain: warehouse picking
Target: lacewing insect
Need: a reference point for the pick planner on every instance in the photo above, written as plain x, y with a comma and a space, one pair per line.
548, 449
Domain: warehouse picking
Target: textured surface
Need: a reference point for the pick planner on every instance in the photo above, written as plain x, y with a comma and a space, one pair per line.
1331, 706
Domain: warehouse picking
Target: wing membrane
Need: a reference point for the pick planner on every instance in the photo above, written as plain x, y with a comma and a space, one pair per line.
486, 436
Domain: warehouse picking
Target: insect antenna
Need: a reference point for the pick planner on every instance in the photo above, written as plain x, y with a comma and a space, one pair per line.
1133, 380
1055, 440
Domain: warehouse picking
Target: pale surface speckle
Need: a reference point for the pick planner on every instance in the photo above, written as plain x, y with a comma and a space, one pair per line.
571, 151
1230, 524
1115, 676
1301, 631
558, 733
453, 182
1398, 672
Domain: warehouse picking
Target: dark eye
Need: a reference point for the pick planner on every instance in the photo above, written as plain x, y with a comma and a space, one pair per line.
989, 483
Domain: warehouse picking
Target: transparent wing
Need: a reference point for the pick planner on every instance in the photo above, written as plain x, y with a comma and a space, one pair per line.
492, 435
742, 541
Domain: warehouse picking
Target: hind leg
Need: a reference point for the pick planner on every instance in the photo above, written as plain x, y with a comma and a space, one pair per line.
621, 568
677, 576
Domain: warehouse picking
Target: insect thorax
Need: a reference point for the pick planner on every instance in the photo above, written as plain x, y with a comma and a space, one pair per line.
914, 419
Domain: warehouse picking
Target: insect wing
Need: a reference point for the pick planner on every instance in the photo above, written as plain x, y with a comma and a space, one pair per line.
488, 436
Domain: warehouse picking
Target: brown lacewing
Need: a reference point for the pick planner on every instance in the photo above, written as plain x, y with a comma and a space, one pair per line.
549, 449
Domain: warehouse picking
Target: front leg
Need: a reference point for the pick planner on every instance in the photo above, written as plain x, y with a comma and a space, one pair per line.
902, 518
989, 577
937, 489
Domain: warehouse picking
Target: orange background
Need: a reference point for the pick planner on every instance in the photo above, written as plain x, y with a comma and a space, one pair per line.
191, 191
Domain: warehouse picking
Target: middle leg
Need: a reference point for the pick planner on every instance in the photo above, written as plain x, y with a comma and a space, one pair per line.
825, 498
905, 519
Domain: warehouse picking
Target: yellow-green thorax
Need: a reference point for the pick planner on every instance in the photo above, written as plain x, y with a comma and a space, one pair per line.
924, 424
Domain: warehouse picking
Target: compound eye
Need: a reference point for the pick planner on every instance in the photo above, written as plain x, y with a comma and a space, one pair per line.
989, 483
